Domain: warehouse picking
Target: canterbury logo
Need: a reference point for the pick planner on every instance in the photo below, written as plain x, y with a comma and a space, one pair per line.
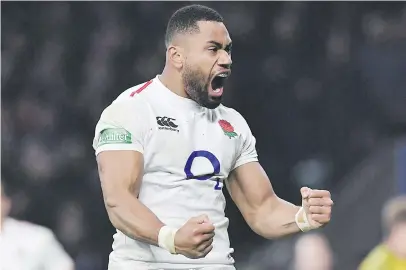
167, 123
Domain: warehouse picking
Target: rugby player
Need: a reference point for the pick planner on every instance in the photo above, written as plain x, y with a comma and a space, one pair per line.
165, 149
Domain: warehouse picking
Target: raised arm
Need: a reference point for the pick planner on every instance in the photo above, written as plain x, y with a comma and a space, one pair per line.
120, 138
266, 213
121, 175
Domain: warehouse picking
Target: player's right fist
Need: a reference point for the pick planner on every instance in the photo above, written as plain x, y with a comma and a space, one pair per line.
194, 239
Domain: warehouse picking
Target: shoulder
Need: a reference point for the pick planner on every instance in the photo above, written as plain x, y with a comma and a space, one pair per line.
234, 118
377, 257
139, 91
133, 100
28, 229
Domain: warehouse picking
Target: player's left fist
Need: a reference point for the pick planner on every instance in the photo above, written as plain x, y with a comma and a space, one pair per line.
316, 209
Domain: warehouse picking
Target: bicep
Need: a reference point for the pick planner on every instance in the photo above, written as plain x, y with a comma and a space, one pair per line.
120, 138
249, 187
120, 171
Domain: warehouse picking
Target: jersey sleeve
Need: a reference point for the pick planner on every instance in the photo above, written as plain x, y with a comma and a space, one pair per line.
54, 255
124, 125
248, 152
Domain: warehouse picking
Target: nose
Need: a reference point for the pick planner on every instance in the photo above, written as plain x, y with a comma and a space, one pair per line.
225, 60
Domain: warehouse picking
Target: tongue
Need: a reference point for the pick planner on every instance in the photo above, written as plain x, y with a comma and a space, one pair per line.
217, 92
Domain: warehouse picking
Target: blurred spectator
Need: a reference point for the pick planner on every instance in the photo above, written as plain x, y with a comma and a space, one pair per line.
391, 253
313, 252
26, 246
321, 84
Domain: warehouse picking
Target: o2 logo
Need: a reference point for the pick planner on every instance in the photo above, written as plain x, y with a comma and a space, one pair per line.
214, 162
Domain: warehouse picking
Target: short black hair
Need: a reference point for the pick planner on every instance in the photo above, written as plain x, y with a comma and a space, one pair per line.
185, 20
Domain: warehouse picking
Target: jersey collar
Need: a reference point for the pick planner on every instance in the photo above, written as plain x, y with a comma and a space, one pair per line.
177, 100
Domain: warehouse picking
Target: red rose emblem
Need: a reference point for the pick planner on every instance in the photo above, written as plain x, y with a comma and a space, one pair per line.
226, 126
228, 129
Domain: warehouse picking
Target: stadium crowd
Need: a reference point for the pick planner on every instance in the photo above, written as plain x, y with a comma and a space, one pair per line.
318, 83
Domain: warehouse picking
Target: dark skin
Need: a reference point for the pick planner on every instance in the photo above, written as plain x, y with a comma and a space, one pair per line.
209, 52
192, 61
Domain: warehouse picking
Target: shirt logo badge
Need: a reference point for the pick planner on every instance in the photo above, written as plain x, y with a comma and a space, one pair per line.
227, 128
167, 123
114, 136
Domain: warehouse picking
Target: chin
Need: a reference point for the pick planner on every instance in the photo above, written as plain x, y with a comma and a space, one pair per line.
213, 102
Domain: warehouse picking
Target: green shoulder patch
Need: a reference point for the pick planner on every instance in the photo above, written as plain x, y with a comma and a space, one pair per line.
114, 136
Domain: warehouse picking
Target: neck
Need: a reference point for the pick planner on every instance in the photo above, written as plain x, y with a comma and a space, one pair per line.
173, 82
396, 242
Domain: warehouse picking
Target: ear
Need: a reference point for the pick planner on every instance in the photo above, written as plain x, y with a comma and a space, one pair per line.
176, 56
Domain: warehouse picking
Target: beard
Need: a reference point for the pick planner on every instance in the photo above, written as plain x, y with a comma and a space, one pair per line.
197, 88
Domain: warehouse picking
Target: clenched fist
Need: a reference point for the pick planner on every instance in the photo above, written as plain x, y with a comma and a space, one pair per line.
316, 209
194, 239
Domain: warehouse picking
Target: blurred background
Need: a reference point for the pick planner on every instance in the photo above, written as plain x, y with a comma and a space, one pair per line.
322, 85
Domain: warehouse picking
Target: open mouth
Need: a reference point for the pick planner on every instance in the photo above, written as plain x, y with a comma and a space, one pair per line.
218, 82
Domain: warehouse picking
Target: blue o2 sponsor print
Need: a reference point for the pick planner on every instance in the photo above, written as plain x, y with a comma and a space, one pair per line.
214, 162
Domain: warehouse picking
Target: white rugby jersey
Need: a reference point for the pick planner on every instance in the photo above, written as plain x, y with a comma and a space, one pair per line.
188, 151
27, 246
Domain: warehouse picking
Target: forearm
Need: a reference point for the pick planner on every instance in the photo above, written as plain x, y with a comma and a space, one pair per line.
130, 216
275, 218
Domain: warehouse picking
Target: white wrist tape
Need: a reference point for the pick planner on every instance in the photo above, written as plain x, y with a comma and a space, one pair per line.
302, 221
166, 239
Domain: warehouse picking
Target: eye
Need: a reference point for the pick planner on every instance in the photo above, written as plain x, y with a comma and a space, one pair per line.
229, 49
213, 49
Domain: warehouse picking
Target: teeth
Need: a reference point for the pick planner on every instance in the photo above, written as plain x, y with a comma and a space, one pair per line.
217, 90
223, 75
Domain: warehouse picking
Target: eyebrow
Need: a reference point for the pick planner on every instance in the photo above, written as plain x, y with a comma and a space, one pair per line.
219, 45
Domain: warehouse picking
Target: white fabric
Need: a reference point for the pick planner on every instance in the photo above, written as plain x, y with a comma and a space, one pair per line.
166, 238
26, 246
134, 265
302, 221
167, 144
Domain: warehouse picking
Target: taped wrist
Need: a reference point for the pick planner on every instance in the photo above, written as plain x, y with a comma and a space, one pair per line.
302, 221
166, 238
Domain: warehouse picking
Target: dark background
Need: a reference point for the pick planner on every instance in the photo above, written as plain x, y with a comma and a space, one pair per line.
321, 85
